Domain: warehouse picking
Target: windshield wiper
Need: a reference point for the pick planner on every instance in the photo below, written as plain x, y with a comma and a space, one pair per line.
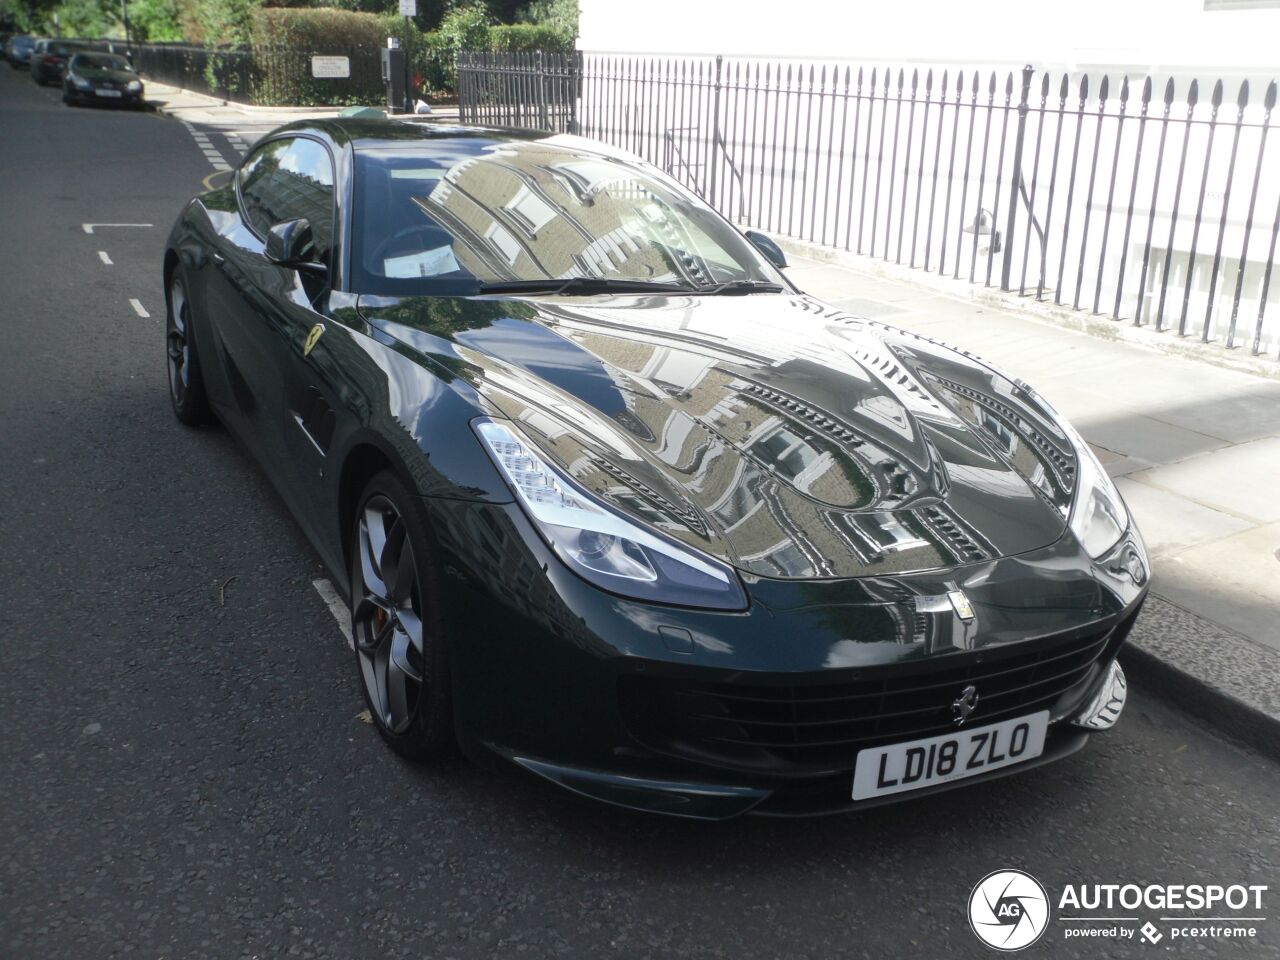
583, 285
742, 286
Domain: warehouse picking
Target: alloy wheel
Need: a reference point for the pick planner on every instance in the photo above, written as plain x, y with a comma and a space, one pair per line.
176, 345
387, 617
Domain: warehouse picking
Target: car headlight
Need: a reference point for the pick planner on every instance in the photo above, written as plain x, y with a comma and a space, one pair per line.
134, 86
1098, 514
82, 84
600, 545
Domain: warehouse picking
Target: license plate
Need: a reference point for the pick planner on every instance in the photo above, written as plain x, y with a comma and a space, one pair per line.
915, 764
107, 93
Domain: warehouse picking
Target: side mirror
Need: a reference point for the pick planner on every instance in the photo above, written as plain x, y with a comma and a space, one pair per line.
772, 252
291, 244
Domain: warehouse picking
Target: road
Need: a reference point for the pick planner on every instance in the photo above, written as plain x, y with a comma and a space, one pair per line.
183, 772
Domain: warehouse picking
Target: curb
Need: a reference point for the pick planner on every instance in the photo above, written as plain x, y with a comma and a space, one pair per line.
1207, 671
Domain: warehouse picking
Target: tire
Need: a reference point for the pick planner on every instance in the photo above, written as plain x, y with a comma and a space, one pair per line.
186, 383
401, 654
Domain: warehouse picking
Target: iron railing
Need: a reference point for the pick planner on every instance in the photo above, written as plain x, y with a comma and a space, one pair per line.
1145, 202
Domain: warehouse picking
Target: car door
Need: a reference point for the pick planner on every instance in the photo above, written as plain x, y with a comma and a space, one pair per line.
262, 307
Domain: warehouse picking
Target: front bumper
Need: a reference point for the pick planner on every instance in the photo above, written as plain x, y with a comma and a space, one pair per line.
542, 662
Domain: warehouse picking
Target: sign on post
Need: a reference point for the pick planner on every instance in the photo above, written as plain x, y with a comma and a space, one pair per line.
336, 67
408, 8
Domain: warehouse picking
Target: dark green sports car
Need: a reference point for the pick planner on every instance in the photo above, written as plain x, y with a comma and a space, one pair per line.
613, 502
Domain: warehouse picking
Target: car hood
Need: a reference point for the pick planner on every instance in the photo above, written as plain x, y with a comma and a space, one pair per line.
114, 76
786, 437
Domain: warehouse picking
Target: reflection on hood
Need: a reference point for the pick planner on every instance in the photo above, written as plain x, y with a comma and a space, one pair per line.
788, 438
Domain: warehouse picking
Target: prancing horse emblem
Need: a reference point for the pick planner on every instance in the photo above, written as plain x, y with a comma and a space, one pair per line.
312, 337
965, 704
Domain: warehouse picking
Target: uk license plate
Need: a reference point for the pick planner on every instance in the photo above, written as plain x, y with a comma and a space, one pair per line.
916, 764
107, 93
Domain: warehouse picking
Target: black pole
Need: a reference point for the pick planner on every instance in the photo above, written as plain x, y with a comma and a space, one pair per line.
408, 69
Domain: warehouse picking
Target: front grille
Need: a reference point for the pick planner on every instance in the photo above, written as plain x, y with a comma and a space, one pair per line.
810, 727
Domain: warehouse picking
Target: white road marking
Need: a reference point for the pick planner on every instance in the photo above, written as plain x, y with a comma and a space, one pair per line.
138, 308
102, 255
339, 609
211, 153
89, 227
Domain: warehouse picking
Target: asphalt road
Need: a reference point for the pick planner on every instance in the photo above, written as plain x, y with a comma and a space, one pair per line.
182, 769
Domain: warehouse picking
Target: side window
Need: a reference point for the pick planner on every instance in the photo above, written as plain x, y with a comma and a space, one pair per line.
286, 180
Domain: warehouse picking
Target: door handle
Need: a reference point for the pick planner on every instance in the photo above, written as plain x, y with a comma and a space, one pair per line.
217, 258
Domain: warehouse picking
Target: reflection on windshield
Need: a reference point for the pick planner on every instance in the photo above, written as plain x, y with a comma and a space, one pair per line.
527, 211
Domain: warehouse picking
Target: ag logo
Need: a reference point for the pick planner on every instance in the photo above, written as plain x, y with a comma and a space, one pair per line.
1008, 910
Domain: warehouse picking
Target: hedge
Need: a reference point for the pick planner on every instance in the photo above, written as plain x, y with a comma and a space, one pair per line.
525, 37
321, 28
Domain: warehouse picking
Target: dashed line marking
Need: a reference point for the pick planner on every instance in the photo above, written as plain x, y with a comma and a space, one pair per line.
89, 227
336, 607
138, 308
102, 255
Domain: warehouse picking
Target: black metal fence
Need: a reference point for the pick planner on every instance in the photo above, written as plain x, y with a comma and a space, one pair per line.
1147, 202
273, 75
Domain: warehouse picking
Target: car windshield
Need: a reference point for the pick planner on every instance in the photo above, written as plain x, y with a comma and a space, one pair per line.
100, 61
456, 217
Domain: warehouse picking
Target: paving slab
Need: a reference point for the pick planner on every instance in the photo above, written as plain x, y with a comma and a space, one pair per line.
1243, 479
1144, 437
1170, 523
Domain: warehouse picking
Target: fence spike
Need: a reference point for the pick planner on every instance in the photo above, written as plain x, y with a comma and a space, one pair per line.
975, 84
928, 83
1193, 93
991, 87
1084, 90
1124, 91
860, 80
1044, 88
902, 77
1146, 94
1216, 100
943, 90
1242, 100
1064, 89
1103, 90
1270, 100
1008, 87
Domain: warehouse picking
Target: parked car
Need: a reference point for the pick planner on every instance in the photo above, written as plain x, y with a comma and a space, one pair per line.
93, 77
612, 501
49, 60
18, 51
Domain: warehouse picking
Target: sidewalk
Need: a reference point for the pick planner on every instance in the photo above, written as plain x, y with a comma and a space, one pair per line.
1195, 450
200, 108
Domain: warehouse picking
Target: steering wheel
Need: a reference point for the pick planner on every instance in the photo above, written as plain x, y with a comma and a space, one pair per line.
423, 229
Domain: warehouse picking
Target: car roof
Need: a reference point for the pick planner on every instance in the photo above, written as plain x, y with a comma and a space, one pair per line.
364, 134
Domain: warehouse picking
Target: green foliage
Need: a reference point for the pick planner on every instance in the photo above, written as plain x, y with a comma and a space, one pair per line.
225, 22
155, 21
432, 64
559, 15
523, 37
82, 18
464, 28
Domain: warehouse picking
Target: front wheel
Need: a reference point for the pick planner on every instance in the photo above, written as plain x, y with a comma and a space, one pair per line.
401, 653
186, 385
